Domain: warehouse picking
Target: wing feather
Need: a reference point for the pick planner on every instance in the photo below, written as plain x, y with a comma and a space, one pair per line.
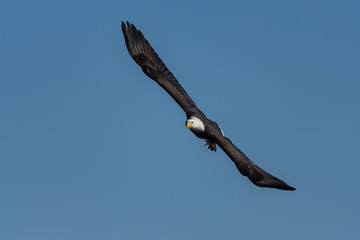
248, 168
145, 56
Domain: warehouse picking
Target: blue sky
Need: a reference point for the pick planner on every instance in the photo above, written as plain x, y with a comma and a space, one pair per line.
93, 149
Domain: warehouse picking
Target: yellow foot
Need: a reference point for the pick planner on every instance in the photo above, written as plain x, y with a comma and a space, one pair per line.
211, 146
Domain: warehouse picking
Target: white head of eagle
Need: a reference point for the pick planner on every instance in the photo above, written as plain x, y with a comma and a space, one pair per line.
198, 128
195, 125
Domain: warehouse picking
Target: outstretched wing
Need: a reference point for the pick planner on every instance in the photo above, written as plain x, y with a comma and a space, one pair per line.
145, 56
246, 167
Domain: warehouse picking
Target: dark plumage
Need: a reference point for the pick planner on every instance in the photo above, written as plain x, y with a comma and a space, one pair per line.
145, 56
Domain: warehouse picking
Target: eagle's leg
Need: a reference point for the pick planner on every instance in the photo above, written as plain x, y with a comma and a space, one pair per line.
211, 145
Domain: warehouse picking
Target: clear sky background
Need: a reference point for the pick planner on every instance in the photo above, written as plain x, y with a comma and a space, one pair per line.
93, 149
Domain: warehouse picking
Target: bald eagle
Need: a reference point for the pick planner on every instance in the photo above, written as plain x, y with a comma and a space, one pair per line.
145, 56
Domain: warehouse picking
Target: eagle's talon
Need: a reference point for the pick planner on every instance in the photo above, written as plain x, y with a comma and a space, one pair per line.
211, 146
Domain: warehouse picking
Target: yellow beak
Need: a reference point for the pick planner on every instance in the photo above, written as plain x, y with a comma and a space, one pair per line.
188, 124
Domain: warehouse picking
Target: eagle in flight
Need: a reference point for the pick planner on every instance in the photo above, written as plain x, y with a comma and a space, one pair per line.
145, 56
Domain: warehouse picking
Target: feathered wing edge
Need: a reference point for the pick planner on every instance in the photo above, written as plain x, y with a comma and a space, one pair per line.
151, 64
142, 52
248, 168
